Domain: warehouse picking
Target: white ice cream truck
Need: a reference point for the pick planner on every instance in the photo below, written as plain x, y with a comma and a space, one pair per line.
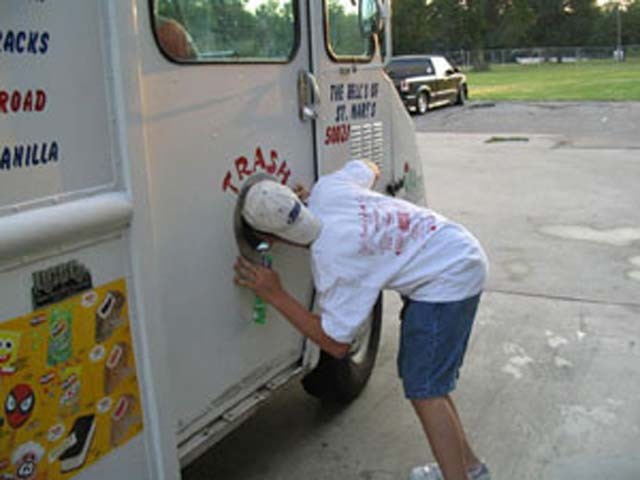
128, 130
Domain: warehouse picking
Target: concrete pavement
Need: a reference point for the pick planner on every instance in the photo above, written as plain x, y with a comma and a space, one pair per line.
551, 381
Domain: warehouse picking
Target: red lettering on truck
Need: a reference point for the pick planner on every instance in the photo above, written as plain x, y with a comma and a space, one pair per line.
17, 101
243, 168
337, 134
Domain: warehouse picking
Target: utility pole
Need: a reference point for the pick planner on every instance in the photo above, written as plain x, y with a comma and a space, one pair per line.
619, 53
619, 28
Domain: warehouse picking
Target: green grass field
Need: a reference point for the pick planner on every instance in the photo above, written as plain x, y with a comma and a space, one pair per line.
595, 80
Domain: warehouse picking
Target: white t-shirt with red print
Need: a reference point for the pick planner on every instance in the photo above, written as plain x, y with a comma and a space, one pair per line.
370, 242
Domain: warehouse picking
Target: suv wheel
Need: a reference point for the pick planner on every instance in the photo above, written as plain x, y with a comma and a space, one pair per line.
461, 95
422, 103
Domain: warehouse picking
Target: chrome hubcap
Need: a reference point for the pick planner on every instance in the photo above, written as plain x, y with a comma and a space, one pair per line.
422, 103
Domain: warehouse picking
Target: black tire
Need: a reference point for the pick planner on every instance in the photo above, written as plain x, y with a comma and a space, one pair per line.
343, 380
422, 103
462, 95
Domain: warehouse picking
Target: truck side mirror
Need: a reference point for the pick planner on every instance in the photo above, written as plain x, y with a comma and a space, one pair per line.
371, 16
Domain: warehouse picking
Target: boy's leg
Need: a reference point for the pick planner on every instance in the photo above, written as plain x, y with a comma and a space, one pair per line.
433, 342
468, 455
440, 423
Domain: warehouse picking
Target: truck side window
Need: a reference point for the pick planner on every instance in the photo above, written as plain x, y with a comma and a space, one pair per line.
440, 66
345, 39
226, 31
429, 70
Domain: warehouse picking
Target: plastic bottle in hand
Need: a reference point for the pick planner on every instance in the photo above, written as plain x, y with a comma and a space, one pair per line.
260, 306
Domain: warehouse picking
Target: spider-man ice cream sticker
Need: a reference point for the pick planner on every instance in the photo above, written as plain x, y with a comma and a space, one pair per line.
19, 405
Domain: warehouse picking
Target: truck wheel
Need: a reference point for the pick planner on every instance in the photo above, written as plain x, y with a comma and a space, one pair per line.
343, 380
422, 103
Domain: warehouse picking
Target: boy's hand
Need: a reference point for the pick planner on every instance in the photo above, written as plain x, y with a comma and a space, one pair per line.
376, 171
302, 192
262, 280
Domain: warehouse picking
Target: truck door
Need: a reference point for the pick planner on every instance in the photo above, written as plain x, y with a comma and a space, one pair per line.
431, 80
353, 117
221, 98
446, 83
357, 111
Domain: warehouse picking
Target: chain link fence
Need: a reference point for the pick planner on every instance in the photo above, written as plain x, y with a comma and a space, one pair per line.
540, 55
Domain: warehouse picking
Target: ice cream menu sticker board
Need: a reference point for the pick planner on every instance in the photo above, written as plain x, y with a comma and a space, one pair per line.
54, 99
68, 386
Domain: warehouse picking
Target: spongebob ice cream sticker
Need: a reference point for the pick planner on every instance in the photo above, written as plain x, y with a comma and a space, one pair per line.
68, 386
9, 344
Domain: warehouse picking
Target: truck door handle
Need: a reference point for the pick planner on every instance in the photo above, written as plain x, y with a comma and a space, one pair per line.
308, 95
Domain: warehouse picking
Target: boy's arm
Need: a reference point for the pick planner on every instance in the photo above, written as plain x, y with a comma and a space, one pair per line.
266, 283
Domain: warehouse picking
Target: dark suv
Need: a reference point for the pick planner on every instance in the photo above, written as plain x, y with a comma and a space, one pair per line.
426, 81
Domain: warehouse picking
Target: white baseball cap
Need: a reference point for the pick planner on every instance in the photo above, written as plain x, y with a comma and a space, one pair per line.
271, 207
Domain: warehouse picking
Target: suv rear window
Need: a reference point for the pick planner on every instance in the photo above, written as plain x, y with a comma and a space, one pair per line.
400, 68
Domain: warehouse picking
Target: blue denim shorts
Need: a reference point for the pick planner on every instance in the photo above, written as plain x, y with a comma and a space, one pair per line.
433, 341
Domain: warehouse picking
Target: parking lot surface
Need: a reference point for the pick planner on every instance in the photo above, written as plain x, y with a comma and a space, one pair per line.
551, 380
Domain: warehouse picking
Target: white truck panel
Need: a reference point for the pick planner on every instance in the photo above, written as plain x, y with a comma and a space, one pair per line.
55, 124
206, 126
117, 159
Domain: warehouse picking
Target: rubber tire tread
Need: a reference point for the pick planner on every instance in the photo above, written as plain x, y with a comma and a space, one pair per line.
341, 380
460, 99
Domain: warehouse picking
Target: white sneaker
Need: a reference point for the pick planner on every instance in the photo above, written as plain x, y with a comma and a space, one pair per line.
479, 472
431, 471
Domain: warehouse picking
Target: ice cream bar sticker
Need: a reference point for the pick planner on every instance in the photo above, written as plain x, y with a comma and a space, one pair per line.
121, 409
38, 320
104, 405
89, 299
107, 306
83, 431
114, 357
97, 353
68, 442
55, 433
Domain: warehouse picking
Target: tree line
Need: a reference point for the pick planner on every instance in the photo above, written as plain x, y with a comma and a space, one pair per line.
422, 26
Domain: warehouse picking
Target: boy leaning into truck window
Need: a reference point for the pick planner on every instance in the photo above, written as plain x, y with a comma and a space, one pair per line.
361, 243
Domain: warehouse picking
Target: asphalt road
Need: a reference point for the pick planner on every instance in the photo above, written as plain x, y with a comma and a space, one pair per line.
551, 381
